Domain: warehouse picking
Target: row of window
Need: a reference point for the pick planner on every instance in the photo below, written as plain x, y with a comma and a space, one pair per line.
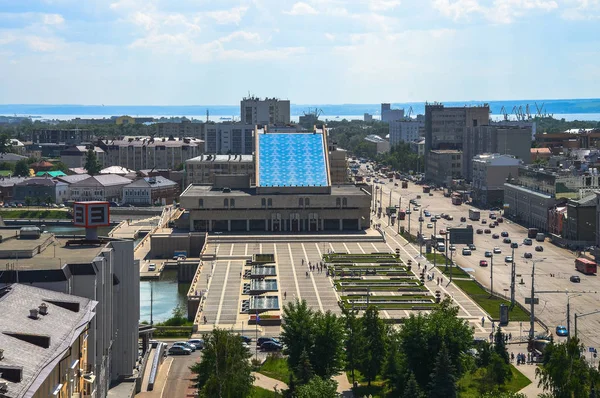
268, 203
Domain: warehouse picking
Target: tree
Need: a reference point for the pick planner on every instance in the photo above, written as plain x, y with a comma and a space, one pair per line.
297, 331
443, 380
22, 168
500, 346
564, 372
304, 371
48, 200
327, 355
5, 144
224, 370
394, 369
92, 165
27, 201
318, 388
375, 336
38, 201
60, 166
412, 389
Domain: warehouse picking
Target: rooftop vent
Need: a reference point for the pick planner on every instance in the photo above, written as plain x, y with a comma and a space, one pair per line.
10, 373
43, 309
3, 387
33, 313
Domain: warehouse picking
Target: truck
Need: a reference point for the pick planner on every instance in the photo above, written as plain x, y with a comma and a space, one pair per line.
540, 237
532, 233
456, 200
474, 215
401, 215
585, 266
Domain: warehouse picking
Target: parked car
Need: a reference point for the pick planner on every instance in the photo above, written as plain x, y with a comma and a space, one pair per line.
479, 231
430, 225
483, 263
449, 217
179, 350
497, 250
488, 254
527, 242
504, 234
514, 245
185, 344
262, 340
442, 232
487, 231
466, 252
575, 278
426, 213
539, 248
151, 267
463, 219
528, 255
271, 346
506, 240
198, 343
484, 221
495, 236
508, 259
452, 248
246, 339
472, 246
437, 217
500, 219
561, 331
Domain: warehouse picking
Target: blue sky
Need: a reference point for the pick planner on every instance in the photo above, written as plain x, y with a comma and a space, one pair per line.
175, 52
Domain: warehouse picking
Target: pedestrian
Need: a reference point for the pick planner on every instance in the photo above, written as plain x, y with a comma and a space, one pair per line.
482, 321
284, 295
302, 261
512, 356
307, 274
509, 336
205, 319
240, 274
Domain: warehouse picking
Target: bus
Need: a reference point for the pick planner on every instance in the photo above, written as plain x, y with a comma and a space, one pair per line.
532, 233
585, 266
401, 215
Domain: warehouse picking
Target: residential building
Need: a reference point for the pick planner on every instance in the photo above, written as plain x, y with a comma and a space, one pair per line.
42, 165
574, 138
418, 146
528, 206
104, 272
39, 190
540, 154
367, 118
255, 111
489, 174
405, 131
562, 184
120, 171
147, 153
11, 157
445, 126
388, 114
444, 165
100, 187
76, 155
203, 169
61, 136
380, 145
229, 138
581, 221
500, 139
151, 190
85, 121
338, 164
133, 120
7, 188
17, 147
44, 342
184, 128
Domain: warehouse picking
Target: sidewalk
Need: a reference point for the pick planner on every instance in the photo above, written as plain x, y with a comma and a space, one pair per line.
268, 383
344, 385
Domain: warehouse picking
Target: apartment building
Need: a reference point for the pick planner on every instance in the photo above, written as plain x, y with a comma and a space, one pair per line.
150, 153
266, 111
99, 187
489, 174
388, 114
61, 136
405, 131
229, 138
203, 169
76, 155
185, 128
527, 206
151, 190
444, 165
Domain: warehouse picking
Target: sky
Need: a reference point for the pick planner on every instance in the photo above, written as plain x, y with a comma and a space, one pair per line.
202, 52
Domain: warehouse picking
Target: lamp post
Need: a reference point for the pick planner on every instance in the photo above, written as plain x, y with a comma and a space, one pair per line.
581, 316
435, 239
492, 274
421, 231
569, 314
532, 309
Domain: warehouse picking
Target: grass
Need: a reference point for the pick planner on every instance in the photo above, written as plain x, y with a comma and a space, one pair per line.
471, 385
456, 272
31, 214
439, 258
377, 389
259, 392
490, 304
276, 367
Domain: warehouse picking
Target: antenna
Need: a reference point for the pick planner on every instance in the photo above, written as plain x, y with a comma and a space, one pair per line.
207, 113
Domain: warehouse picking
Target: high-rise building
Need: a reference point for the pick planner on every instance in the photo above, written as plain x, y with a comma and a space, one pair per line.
490, 172
229, 138
255, 111
388, 114
405, 131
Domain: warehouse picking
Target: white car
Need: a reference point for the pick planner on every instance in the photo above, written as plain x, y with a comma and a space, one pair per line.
466, 252
151, 267
497, 250
430, 225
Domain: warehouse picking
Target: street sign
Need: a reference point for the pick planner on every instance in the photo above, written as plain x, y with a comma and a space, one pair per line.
591, 349
506, 205
535, 300
461, 236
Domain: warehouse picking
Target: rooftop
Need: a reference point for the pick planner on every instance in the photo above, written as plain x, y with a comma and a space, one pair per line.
221, 158
104, 180
154, 182
442, 151
36, 346
207, 190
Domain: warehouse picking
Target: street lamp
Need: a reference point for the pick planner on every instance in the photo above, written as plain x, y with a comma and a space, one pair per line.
421, 232
569, 313
581, 316
532, 310
434, 221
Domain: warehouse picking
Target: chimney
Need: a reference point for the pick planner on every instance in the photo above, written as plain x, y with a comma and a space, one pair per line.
43, 309
33, 313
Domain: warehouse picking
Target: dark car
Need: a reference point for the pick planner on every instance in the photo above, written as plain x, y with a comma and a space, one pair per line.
528, 255
271, 346
179, 350
487, 231
484, 221
539, 248
527, 241
506, 240
504, 234
575, 278
463, 219
495, 236
483, 263
514, 245
480, 231
262, 340
246, 339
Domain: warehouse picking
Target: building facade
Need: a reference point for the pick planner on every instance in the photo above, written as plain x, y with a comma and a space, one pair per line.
581, 220
203, 169
489, 174
528, 207
61, 136
100, 187
185, 128
255, 111
151, 190
229, 138
76, 156
405, 131
39, 190
388, 114
444, 165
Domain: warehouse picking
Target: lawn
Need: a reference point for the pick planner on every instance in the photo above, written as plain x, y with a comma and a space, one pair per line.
490, 304
32, 214
440, 259
258, 392
377, 389
471, 384
456, 272
276, 367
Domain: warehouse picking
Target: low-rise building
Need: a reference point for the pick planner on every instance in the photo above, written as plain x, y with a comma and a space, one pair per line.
76, 155
151, 190
490, 172
100, 187
581, 220
45, 343
540, 154
444, 165
11, 157
406, 131
229, 138
7, 188
41, 190
528, 206
418, 147
203, 169
380, 145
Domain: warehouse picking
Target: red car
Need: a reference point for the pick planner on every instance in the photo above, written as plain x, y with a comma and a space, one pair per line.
483, 263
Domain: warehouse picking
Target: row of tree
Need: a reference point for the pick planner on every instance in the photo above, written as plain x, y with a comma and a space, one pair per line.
401, 158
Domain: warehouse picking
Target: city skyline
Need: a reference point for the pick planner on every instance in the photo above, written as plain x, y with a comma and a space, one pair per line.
363, 51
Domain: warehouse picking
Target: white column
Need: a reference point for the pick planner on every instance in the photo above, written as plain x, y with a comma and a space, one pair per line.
341, 224
247, 225
229, 225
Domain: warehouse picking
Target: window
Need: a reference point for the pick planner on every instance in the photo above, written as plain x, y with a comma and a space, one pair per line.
232, 203
226, 202
338, 202
270, 203
307, 202
263, 202
301, 202
345, 202
201, 203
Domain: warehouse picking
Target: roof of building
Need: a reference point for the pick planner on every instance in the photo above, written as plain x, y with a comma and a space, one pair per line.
38, 181
103, 180
11, 157
153, 182
221, 158
78, 170
449, 151
73, 178
586, 201
156, 142
196, 190
35, 346
41, 164
10, 181
54, 174
374, 138
116, 170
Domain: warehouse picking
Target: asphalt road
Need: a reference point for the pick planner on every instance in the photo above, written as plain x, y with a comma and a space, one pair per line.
552, 275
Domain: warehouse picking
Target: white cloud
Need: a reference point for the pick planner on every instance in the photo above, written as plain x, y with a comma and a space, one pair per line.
498, 11
241, 35
383, 5
330, 37
301, 8
582, 10
231, 16
53, 19
42, 44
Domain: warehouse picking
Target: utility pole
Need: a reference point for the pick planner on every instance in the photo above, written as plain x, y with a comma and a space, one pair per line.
513, 272
399, 210
492, 274
569, 315
409, 214
435, 240
532, 305
581, 316
421, 234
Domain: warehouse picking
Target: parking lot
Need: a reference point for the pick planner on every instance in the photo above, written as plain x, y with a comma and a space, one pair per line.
552, 274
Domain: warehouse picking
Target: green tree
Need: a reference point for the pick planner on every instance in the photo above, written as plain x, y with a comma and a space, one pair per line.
60, 166
224, 370
354, 341
5, 145
297, 331
178, 317
500, 346
304, 371
443, 379
501, 394
7, 166
92, 165
38, 201
412, 389
317, 388
394, 369
375, 339
27, 201
327, 355
48, 200
22, 168
497, 371
564, 372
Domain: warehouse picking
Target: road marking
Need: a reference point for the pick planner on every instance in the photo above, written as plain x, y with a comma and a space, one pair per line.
361, 248
231, 250
217, 249
294, 271
222, 293
162, 392
313, 280
346, 247
246, 250
332, 249
407, 313
386, 314
374, 247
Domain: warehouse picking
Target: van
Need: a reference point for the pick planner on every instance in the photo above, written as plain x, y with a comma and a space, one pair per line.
540, 237
151, 267
441, 247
